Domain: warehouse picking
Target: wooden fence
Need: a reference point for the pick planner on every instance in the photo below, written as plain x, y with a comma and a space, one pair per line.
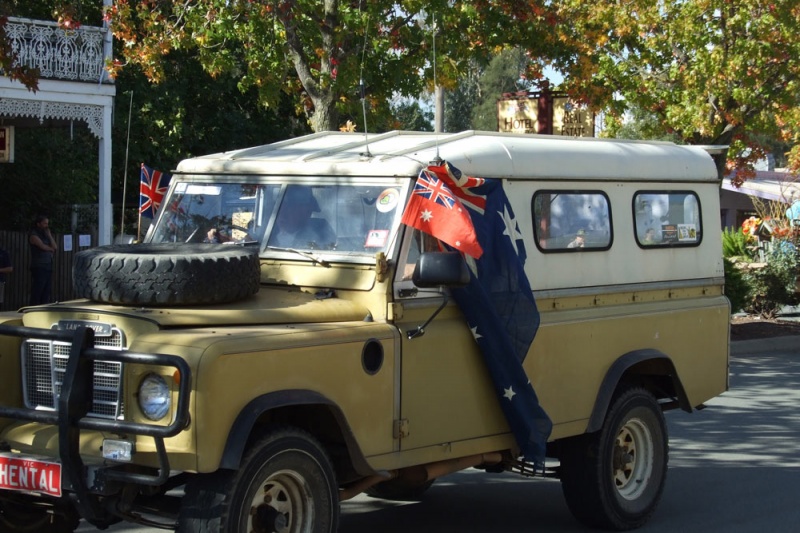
18, 283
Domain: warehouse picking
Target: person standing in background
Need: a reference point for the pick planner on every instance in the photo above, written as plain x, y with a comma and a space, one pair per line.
5, 269
43, 248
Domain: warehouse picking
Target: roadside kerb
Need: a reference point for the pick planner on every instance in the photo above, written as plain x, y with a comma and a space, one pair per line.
788, 343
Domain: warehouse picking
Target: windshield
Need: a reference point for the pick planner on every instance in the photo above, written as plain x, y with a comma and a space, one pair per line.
352, 219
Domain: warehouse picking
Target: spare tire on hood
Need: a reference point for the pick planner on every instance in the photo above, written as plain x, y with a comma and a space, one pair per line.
166, 274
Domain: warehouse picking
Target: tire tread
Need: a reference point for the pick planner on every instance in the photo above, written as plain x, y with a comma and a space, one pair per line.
166, 274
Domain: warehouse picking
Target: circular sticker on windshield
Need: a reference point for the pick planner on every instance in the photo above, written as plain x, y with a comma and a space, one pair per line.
387, 200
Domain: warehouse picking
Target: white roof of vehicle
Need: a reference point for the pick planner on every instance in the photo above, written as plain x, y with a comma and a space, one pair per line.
483, 154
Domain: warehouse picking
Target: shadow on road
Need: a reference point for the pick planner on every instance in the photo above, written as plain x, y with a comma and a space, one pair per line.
734, 468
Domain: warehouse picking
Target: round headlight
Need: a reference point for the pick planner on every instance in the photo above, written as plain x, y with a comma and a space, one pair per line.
154, 397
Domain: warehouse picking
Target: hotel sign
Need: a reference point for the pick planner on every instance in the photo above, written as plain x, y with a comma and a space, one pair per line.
518, 115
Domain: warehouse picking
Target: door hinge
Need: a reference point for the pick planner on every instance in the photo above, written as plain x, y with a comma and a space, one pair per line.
395, 311
381, 266
400, 428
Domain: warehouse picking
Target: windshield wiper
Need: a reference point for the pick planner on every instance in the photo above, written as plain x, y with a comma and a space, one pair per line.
307, 255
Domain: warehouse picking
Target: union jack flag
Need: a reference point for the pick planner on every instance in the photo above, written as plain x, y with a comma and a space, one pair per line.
461, 185
153, 187
431, 187
435, 209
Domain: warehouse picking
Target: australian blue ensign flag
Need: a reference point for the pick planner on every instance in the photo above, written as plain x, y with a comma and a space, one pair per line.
152, 188
499, 306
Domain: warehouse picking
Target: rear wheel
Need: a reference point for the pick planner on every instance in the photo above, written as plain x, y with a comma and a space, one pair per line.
613, 479
285, 483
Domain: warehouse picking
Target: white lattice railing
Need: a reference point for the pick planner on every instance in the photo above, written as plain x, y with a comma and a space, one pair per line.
75, 55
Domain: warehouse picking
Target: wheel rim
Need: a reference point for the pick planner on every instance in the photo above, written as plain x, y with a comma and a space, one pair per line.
282, 504
633, 454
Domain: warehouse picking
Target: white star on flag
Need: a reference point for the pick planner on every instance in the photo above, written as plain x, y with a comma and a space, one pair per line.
426, 215
511, 229
475, 333
509, 393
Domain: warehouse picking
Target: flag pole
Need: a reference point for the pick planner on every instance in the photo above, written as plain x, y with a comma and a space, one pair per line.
139, 224
125, 178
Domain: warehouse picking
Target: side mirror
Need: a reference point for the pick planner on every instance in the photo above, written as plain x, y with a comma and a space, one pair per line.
436, 269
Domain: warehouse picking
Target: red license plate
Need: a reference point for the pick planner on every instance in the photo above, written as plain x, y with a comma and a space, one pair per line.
30, 475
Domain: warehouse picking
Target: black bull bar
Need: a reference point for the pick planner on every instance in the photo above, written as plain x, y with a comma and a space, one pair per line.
75, 401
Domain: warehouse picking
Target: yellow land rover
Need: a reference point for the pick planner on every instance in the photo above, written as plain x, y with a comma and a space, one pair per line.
345, 313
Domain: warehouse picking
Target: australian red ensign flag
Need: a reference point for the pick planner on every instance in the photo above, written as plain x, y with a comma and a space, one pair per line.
435, 209
153, 187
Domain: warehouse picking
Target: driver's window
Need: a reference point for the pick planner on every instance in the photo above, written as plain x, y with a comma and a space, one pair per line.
419, 242
215, 213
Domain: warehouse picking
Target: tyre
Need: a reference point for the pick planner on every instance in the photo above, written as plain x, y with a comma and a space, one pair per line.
399, 490
18, 517
613, 479
285, 483
166, 274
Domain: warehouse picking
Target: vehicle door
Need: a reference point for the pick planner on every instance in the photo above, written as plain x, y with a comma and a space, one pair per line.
446, 392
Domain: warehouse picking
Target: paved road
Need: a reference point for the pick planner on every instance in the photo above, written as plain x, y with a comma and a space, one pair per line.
734, 467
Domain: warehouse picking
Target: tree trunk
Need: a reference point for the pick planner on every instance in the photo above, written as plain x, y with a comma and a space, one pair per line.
324, 117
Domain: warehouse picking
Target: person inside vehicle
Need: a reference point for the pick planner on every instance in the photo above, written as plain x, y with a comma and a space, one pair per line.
253, 233
296, 227
216, 236
579, 241
650, 237
421, 243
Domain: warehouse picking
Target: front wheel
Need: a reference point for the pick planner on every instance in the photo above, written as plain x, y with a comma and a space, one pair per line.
285, 484
613, 479
19, 517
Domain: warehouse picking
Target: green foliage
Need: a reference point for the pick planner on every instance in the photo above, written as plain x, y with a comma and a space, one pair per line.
773, 286
719, 73
318, 52
500, 76
472, 104
54, 166
642, 124
736, 288
191, 113
88, 12
460, 101
411, 116
734, 243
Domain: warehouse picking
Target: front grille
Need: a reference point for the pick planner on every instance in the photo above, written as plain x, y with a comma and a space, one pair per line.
44, 363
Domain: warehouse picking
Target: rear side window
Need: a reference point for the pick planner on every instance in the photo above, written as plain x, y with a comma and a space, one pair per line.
667, 218
571, 221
